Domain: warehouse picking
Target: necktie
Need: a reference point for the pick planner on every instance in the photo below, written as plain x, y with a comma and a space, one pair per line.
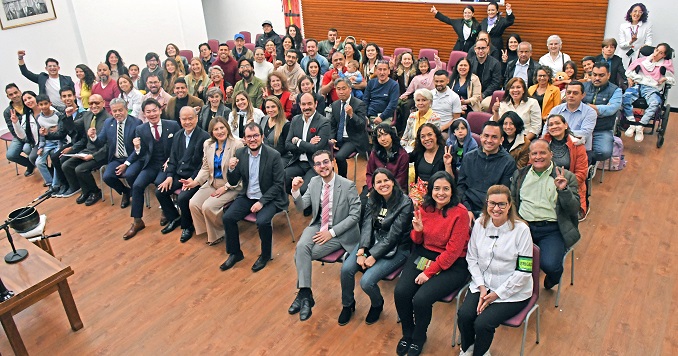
120, 151
156, 133
93, 123
325, 210
342, 123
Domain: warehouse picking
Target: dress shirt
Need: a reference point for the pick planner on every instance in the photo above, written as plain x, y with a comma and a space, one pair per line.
253, 188
582, 121
521, 70
152, 133
556, 65
307, 125
296, 193
538, 196
187, 137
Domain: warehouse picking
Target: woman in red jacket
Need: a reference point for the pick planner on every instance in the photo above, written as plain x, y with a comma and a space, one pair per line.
437, 266
276, 85
568, 155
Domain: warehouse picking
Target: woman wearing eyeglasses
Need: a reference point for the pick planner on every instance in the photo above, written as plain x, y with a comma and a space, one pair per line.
499, 258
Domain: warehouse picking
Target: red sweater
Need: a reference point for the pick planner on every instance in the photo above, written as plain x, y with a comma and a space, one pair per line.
447, 235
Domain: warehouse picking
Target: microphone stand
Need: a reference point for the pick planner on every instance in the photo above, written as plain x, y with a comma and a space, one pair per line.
18, 255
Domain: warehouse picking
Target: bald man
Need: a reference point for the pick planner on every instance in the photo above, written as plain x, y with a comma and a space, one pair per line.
185, 161
106, 87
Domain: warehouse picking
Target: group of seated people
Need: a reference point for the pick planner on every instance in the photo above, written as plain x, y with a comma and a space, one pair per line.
222, 136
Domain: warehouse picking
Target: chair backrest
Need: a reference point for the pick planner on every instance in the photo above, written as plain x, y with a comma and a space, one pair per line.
214, 45
387, 58
476, 119
186, 53
428, 53
400, 50
249, 46
247, 35
256, 38
476, 137
496, 96
455, 56
381, 50
231, 44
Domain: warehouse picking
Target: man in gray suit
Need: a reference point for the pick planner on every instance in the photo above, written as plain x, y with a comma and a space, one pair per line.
334, 224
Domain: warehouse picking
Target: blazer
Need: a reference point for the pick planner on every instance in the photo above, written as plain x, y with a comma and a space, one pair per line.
204, 116
474, 89
319, 126
269, 140
41, 79
491, 79
511, 68
458, 27
109, 135
143, 131
497, 31
185, 162
345, 208
83, 143
355, 125
206, 174
271, 176
170, 110
551, 99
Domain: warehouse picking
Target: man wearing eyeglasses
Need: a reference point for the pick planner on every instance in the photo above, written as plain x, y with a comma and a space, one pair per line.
488, 70
334, 224
546, 196
260, 169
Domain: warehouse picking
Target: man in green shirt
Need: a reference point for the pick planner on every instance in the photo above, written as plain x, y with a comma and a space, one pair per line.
252, 85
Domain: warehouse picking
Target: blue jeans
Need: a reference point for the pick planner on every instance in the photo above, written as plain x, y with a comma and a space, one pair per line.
602, 145
650, 94
552, 246
41, 163
382, 268
15, 149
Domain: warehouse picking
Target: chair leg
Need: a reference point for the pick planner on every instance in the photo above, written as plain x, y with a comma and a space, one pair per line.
454, 324
602, 174
355, 168
289, 223
522, 345
111, 194
538, 318
147, 197
572, 272
101, 180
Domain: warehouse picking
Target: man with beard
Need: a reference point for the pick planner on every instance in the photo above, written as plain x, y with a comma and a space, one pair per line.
293, 71
312, 53
446, 103
250, 84
488, 70
48, 83
332, 42
381, 96
107, 88
227, 64
156, 92
180, 100
605, 99
153, 67
260, 169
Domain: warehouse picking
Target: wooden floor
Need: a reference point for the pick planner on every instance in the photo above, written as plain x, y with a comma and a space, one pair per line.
153, 295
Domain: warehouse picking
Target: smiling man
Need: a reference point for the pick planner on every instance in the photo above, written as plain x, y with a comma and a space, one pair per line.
605, 98
48, 83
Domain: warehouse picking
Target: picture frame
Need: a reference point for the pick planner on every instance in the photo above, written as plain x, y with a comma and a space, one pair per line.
17, 13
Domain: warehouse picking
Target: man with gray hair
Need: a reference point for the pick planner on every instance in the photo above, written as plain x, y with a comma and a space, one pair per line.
523, 67
347, 125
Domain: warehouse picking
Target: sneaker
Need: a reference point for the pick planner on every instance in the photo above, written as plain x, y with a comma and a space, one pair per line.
583, 215
468, 352
630, 131
639, 133
56, 192
70, 192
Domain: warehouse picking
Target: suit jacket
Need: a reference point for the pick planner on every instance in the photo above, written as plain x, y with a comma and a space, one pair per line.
206, 174
345, 208
108, 136
204, 116
170, 110
41, 79
319, 126
491, 79
185, 162
143, 131
355, 125
458, 27
83, 143
271, 176
617, 72
511, 68
498, 30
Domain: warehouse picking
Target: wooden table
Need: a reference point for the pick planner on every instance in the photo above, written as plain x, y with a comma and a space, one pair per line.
33, 279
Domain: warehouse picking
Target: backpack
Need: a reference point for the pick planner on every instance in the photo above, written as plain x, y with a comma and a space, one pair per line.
618, 161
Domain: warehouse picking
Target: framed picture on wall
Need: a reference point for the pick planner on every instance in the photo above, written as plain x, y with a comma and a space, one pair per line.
25, 12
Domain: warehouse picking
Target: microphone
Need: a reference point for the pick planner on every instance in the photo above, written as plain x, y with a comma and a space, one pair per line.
47, 194
44, 237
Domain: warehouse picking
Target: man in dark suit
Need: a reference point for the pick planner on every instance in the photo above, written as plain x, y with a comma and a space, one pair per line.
185, 161
78, 169
116, 136
614, 63
309, 132
42, 80
152, 144
488, 70
259, 167
180, 100
498, 23
523, 67
348, 132
336, 212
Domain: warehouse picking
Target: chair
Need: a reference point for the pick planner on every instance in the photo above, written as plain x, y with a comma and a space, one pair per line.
336, 256
7, 137
476, 137
247, 35
452, 296
429, 53
496, 96
476, 119
381, 50
353, 155
455, 56
252, 217
256, 38
386, 58
395, 274
214, 45
231, 44
399, 50
101, 181
532, 306
250, 46
186, 53
569, 251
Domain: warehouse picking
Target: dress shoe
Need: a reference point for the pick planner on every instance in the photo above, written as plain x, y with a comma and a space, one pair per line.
186, 234
215, 242
163, 220
403, 347
82, 198
124, 201
231, 261
306, 309
415, 350
548, 284
296, 305
346, 314
171, 226
373, 315
136, 227
29, 171
260, 264
93, 198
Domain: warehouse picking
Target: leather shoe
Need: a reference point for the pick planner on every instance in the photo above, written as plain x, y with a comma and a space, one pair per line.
346, 314
171, 226
186, 234
124, 201
163, 220
373, 315
82, 198
136, 227
93, 198
231, 261
260, 264
296, 305
306, 311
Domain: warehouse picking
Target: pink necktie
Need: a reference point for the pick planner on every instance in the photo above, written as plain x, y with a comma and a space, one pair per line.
325, 214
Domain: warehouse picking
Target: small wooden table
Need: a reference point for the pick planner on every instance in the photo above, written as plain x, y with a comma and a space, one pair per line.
33, 279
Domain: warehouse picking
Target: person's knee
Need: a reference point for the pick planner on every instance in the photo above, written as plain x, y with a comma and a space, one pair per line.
420, 301
551, 265
367, 283
263, 224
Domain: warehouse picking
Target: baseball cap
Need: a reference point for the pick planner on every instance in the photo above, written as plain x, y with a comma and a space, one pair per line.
267, 22
239, 35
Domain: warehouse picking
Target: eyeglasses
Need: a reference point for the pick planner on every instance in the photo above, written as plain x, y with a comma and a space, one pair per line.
492, 204
481, 48
95, 102
322, 163
252, 137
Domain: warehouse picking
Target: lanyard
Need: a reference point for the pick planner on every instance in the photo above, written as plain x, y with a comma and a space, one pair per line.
634, 33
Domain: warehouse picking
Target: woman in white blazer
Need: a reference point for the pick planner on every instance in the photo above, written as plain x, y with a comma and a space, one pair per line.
634, 33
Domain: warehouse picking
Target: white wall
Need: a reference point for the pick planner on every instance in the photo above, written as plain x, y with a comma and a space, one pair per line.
226, 18
661, 15
85, 30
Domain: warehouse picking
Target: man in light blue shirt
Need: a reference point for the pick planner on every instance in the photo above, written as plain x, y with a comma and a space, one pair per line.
580, 117
312, 53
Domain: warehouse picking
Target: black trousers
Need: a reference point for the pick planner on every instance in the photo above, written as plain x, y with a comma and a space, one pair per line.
477, 329
167, 206
299, 169
79, 174
341, 156
237, 211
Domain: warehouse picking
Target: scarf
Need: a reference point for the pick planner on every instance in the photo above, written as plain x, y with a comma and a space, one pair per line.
492, 20
468, 23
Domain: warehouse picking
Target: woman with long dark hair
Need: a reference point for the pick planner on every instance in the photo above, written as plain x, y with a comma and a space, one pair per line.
276, 127
634, 33
369, 64
85, 80
387, 153
430, 154
295, 33
516, 142
115, 63
516, 99
467, 85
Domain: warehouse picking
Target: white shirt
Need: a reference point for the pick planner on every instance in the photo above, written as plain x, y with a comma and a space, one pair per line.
296, 193
521, 70
52, 87
20, 125
304, 133
446, 104
528, 111
261, 70
346, 118
556, 65
134, 100
493, 261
